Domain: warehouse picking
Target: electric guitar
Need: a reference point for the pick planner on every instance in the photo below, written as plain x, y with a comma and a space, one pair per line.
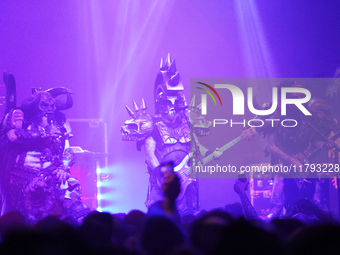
183, 169
307, 158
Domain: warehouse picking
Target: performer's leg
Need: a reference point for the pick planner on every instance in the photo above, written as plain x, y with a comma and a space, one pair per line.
188, 204
276, 200
155, 193
291, 192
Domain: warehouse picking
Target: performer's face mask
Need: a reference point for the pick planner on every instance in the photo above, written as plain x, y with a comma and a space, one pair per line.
46, 104
170, 105
200, 125
167, 103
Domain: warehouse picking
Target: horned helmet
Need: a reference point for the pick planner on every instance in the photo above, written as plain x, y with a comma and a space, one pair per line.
46, 100
45, 103
167, 90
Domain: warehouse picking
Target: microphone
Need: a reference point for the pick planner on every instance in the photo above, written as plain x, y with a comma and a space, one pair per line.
50, 118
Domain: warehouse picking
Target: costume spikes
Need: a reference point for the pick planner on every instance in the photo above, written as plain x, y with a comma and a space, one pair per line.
143, 106
192, 103
168, 60
174, 80
64, 105
172, 68
58, 91
161, 64
130, 112
136, 107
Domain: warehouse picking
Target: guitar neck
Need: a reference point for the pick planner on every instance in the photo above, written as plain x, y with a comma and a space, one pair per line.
322, 147
222, 149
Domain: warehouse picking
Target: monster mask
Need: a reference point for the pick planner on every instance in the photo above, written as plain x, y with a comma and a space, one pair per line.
137, 128
45, 103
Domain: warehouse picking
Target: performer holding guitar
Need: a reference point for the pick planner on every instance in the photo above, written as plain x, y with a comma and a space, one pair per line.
166, 137
291, 146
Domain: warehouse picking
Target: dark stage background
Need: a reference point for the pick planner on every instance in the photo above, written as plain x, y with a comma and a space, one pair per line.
108, 53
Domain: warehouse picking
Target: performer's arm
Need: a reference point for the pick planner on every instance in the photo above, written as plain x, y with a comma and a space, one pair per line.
204, 151
276, 152
62, 173
248, 209
150, 148
13, 123
68, 159
13, 126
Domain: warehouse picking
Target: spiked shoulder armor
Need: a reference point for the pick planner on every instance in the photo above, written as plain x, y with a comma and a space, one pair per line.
139, 127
